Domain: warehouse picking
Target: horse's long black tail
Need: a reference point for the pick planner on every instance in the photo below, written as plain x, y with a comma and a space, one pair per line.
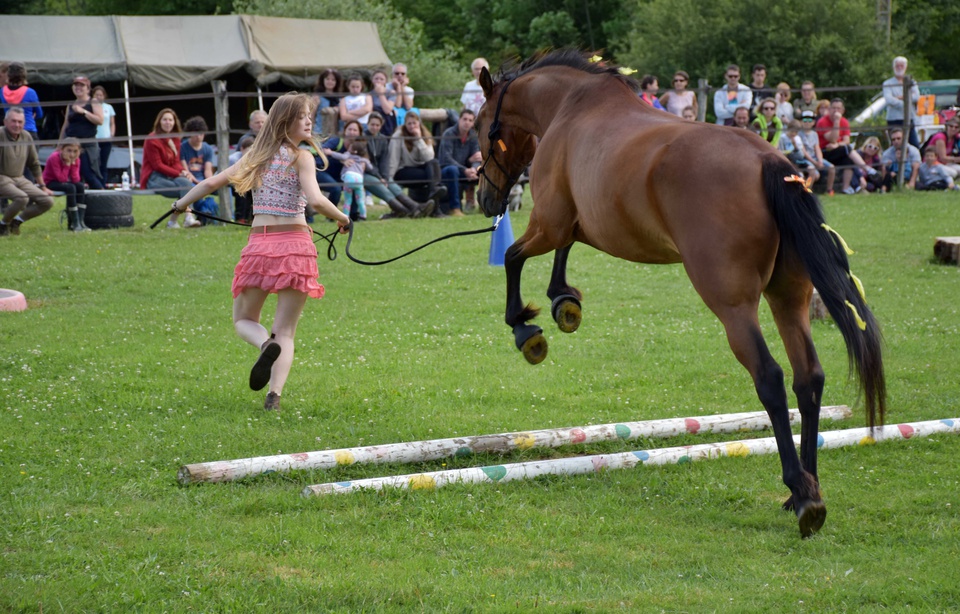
804, 232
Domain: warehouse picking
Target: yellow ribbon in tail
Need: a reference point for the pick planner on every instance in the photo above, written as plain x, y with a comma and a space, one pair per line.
856, 281
856, 316
846, 248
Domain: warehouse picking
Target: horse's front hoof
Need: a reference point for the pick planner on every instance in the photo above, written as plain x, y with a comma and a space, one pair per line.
535, 349
567, 313
811, 518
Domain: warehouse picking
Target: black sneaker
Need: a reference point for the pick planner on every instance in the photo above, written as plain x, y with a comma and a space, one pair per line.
15, 226
260, 373
4, 230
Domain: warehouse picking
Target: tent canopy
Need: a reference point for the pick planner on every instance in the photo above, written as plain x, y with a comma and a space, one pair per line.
182, 52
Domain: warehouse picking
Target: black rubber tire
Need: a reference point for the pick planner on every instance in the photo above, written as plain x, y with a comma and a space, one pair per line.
106, 204
97, 222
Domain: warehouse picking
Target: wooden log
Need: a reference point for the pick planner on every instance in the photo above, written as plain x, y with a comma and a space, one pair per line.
947, 249
420, 451
629, 460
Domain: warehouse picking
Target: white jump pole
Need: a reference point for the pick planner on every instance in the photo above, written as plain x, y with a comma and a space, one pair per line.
630, 460
420, 451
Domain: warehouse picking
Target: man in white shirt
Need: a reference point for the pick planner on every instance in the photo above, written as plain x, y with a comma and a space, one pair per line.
472, 97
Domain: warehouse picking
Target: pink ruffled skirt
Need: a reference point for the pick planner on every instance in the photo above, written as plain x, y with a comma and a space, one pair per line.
278, 261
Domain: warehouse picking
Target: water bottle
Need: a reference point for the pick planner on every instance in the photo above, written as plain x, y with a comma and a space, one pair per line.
125, 180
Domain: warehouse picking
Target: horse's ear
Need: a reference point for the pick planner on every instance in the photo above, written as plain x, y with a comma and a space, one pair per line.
486, 82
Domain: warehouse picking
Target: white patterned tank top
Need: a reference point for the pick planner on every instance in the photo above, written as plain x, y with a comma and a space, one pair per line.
279, 193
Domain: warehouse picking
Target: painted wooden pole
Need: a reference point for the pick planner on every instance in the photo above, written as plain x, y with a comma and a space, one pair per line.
420, 451
630, 460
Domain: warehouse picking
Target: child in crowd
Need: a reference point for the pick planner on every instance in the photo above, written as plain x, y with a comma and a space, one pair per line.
62, 173
648, 91
791, 145
870, 152
242, 207
197, 158
689, 114
16, 94
933, 176
355, 164
813, 153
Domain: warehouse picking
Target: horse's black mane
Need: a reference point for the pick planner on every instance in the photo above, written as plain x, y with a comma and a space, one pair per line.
572, 58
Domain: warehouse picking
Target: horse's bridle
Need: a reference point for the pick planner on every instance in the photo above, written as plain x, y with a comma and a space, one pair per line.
494, 137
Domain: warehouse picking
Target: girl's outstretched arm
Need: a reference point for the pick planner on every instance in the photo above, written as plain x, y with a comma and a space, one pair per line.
205, 188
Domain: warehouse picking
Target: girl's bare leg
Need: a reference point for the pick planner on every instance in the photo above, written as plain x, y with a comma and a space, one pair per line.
246, 316
290, 305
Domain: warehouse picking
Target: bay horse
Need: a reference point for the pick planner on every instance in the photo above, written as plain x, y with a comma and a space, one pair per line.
612, 172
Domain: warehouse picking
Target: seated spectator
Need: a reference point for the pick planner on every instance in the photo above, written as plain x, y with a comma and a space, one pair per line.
689, 114
648, 91
400, 93
741, 118
807, 100
356, 105
335, 149
459, 158
679, 98
947, 146
791, 145
381, 104
758, 78
472, 97
17, 151
813, 153
412, 162
16, 93
932, 175
768, 124
891, 162
378, 147
893, 97
257, 119
870, 152
242, 205
782, 98
105, 131
197, 157
731, 97
327, 93
823, 108
162, 170
834, 132
82, 119
62, 173
355, 166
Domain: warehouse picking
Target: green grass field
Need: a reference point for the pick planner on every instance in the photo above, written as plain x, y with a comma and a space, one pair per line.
126, 366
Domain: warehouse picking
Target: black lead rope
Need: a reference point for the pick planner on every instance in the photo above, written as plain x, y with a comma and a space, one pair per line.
330, 238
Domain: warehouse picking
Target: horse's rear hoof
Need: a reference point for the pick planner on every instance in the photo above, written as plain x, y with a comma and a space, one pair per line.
535, 349
811, 518
566, 311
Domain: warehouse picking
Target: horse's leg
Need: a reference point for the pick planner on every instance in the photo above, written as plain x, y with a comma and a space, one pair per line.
528, 337
789, 298
565, 299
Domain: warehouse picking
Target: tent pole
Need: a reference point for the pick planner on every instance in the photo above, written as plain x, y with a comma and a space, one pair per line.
223, 142
126, 103
260, 97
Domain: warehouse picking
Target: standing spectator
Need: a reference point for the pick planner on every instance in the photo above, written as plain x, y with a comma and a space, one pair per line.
197, 157
768, 124
731, 97
648, 91
947, 146
784, 108
893, 96
105, 131
355, 166
62, 173
83, 117
400, 93
242, 206
807, 100
327, 93
741, 118
334, 149
162, 170
378, 184
17, 152
257, 119
679, 98
472, 97
932, 175
16, 93
280, 257
459, 158
834, 132
412, 161
758, 78
356, 105
891, 162
813, 153
381, 104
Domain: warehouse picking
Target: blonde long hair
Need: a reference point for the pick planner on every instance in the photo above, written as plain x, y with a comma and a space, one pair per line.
276, 132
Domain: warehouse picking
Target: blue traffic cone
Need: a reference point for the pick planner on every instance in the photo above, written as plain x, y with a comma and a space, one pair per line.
502, 239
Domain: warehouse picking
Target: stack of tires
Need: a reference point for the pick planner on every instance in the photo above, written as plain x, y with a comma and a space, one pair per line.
109, 209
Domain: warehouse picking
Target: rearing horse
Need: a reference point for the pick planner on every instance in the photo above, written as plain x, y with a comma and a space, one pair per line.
612, 172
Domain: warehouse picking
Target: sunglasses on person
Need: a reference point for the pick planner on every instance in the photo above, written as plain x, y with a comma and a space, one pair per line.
870, 147
768, 109
679, 80
733, 76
